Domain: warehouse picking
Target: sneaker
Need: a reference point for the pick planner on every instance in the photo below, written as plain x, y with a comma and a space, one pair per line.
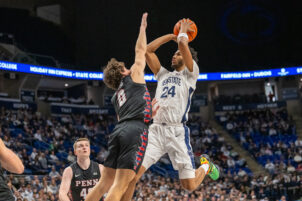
213, 171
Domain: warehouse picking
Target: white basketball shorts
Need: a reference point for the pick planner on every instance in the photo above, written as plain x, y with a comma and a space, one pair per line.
174, 140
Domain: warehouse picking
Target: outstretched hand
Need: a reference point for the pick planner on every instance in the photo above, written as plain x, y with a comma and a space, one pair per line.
154, 109
185, 26
144, 21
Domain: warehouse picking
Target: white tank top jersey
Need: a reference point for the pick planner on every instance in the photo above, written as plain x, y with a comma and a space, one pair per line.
174, 92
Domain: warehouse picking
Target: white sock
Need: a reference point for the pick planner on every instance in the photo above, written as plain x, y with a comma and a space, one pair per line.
205, 167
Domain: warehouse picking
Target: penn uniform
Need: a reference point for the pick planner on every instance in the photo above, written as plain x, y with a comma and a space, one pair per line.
83, 180
168, 133
127, 143
5, 192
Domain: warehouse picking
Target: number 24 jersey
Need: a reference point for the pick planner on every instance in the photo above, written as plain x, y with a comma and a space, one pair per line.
174, 92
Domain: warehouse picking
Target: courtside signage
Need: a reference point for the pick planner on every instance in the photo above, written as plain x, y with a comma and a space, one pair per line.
89, 75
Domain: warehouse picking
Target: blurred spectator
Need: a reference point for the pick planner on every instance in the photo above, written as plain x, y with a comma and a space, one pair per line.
270, 167
52, 187
71, 158
54, 174
53, 158
33, 154
38, 135
43, 161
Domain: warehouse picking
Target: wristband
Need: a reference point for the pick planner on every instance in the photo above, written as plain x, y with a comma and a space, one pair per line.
182, 35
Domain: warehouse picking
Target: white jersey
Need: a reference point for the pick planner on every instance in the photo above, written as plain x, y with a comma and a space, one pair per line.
174, 92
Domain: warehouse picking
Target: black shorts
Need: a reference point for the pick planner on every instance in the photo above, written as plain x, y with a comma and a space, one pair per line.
127, 145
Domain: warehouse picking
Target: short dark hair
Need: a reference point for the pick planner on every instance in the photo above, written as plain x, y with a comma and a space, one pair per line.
112, 74
194, 54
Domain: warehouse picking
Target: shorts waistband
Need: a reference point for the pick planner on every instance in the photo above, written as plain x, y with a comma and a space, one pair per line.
170, 124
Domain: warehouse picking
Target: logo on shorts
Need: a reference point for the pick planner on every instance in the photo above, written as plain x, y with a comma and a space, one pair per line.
95, 173
77, 175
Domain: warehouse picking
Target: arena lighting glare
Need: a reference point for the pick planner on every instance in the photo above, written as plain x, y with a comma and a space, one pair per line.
66, 85
89, 75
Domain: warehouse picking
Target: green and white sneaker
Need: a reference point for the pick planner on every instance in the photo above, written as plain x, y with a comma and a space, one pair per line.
213, 171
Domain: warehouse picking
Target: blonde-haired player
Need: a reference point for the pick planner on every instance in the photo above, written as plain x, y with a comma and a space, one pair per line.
81, 176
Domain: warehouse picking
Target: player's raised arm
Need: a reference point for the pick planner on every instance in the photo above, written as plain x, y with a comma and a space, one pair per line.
137, 69
182, 40
9, 160
65, 184
152, 60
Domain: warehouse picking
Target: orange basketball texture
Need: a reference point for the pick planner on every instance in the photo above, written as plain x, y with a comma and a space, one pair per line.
191, 34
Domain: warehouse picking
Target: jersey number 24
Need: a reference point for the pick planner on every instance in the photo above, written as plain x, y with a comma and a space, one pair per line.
168, 91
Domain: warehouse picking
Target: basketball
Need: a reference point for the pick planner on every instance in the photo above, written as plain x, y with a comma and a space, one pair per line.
191, 34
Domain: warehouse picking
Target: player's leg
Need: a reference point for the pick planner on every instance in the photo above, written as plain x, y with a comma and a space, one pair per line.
206, 168
153, 153
122, 179
181, 155
103, 186
191, 184
131, 187
188, 181
109, 171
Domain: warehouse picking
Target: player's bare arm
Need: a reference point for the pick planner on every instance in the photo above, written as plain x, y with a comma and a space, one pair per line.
65, 184
151, 58
137, 69
101, 168
183, 44
9, 160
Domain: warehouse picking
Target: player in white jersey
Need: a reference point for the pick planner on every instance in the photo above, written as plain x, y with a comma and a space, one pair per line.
168, 133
